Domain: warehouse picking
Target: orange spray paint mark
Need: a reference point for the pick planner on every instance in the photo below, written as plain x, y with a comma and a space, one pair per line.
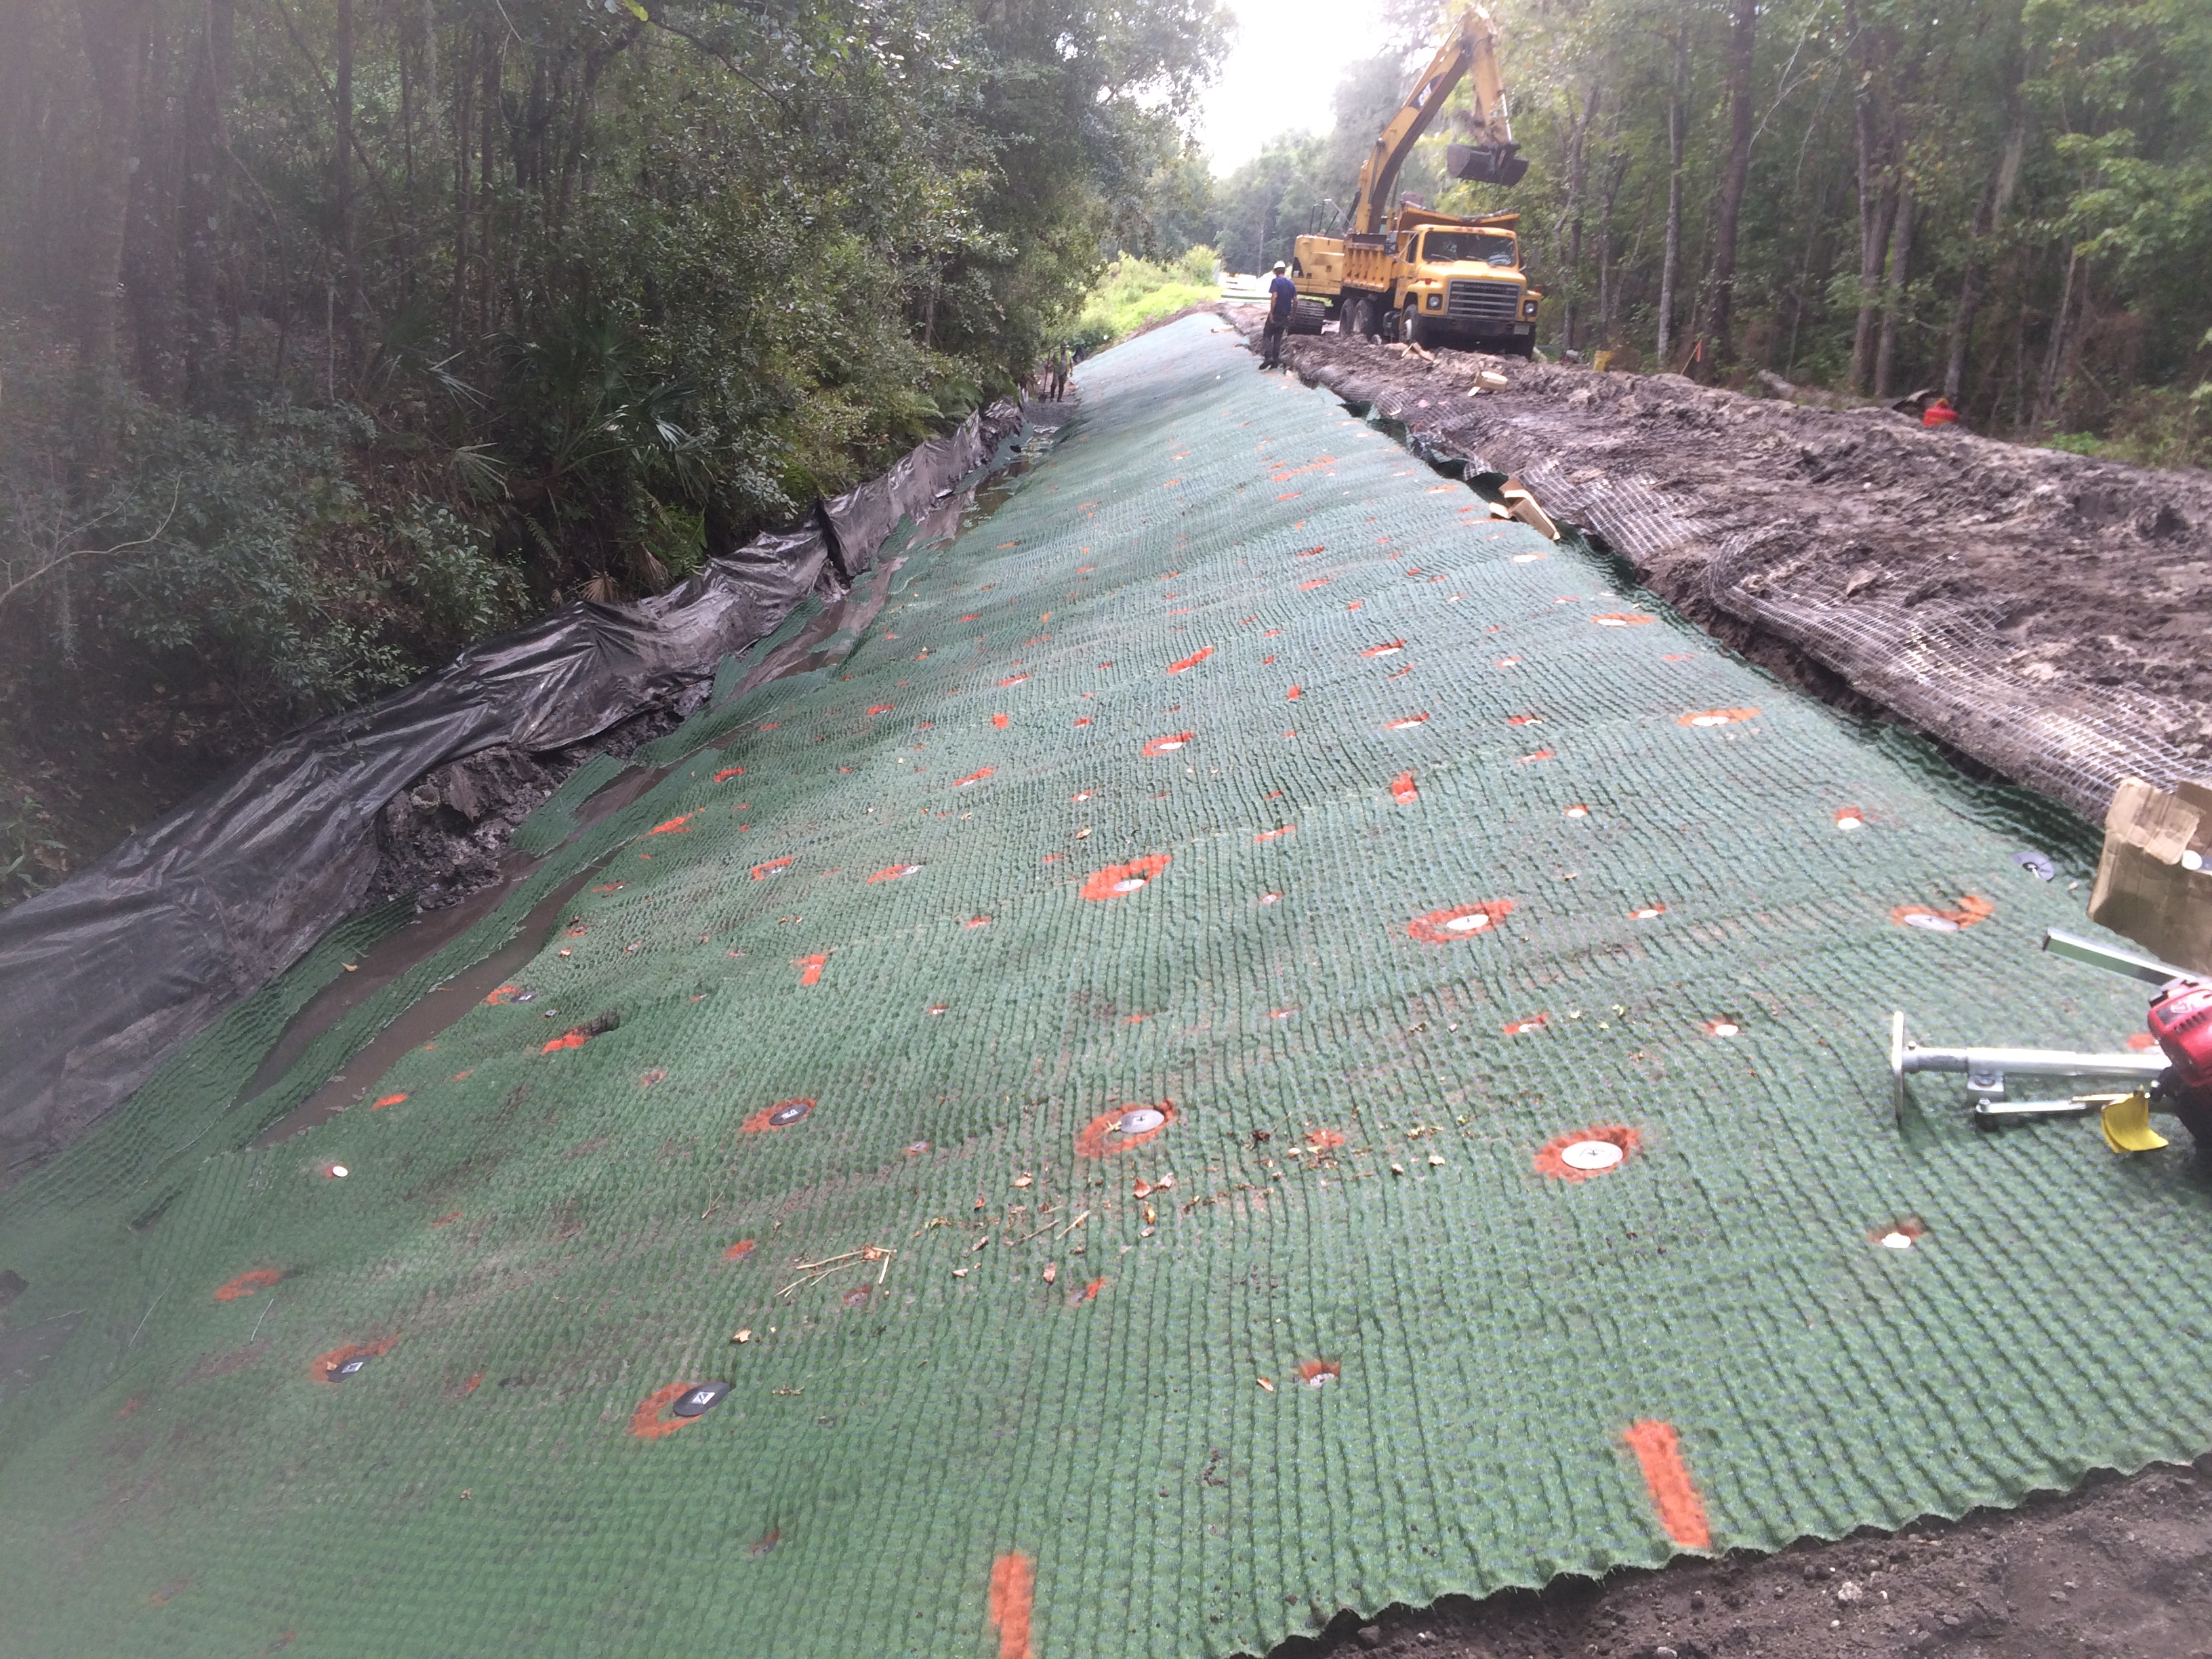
781, 1115
505, 994
1013, 1598
1118, 880
449, 1218
1294, 694
1538, 754
1324, 1140
575, 1039
739, 1251
1000, 721
1552, 1158
1972, 908
1167, 745
983, 772
1403, 790
473, 1383
378, 1105
1408, 723
893, 871
325, 1368
646, 1423
1716, 716
1622, 619
1389, 648
1088, 1293
763, 871
810, 969
128, 1407
1102, 1136
257, 1279
1658, 1448
727, 773
1313, 582
1459, 921
1270, 835
881, 708
673, 825
1191, 660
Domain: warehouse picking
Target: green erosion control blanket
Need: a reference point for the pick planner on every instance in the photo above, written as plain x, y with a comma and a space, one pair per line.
1266, 1043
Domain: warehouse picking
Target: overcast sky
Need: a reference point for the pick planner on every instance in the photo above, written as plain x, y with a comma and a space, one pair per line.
1282, 72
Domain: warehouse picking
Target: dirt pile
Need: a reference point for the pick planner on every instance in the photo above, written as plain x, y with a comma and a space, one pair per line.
2042, 613
444, 836
2115, 1568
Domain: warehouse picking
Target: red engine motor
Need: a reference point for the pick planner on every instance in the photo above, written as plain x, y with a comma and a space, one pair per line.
2181, 1022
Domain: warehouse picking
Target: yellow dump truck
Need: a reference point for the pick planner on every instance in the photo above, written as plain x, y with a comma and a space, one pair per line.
1410, 273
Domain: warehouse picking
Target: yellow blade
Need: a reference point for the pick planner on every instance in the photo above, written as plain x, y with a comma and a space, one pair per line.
2127, 1125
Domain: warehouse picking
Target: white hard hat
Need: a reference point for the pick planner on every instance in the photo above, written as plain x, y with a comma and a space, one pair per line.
1280, 265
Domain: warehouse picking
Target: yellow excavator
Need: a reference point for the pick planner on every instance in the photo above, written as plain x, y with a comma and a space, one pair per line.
1410, 273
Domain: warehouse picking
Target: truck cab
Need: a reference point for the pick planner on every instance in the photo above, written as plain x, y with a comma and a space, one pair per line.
1433, 279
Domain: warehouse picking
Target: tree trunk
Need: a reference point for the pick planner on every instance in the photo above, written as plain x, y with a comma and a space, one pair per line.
2046, 386
1742, 40
114, 33
1616, 170
342, 239
2004, 178
1577, 180
1671, 263
1893, 305
1875, 208
151, 238
205, 189
1970, 302
457, 318
489, 115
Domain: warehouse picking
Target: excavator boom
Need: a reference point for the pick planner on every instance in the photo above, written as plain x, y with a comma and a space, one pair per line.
1470, 48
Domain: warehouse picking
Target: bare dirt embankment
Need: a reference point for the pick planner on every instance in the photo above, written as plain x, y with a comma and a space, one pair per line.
2046, 614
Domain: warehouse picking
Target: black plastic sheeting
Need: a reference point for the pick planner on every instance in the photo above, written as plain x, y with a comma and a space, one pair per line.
102, 977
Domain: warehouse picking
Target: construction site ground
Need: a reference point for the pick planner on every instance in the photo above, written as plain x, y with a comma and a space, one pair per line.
1259, 1061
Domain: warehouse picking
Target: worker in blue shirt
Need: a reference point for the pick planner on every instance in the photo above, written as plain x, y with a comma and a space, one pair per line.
1282, 301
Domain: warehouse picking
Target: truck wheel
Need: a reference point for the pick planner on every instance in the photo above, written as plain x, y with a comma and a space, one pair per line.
1411, 328
1359, 315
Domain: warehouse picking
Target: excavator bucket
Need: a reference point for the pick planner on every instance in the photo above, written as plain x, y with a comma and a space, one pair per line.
1486, 164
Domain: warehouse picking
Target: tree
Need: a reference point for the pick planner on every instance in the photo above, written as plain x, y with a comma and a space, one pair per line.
1720, 285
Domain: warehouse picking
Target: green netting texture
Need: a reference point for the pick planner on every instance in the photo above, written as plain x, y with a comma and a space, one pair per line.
553, 819
1236, 767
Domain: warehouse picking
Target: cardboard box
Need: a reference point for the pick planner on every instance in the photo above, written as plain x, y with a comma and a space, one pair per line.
2145, 886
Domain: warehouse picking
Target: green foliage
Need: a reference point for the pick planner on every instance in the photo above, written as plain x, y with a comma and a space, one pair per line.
2057, 154
1134, 292
567, 298
460, 591
31, 859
